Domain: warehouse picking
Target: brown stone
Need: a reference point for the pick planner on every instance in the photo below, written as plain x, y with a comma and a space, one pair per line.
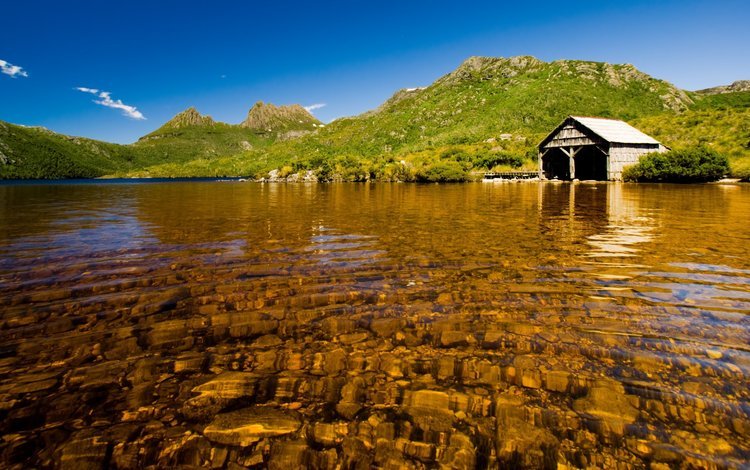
218, 392
329, 434
247, 426
288, 455
460, 454
83, 453
607, 402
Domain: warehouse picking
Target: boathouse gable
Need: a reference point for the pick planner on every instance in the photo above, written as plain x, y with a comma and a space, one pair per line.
590, 148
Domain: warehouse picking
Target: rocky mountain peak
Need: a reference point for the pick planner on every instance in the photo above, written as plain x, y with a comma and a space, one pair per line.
477, 66
737, 86
267, 117
189, 117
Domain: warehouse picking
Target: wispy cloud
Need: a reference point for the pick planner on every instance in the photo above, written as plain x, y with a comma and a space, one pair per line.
105, 99
12, 70
315, 106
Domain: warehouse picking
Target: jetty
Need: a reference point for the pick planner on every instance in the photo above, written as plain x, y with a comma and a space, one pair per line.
511, 175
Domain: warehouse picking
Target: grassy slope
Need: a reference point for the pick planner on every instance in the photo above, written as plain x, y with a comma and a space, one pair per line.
458, 124
721, 122
170, 150
31, 152
450, 120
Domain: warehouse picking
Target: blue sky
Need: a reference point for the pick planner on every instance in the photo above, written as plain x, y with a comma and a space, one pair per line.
142, 62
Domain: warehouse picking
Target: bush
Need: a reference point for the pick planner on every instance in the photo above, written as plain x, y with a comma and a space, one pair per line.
741, 169
692, 165
492, 160
444, 171
456, 154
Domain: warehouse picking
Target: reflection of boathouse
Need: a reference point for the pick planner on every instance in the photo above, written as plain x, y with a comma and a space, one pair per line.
589, 148
609, 218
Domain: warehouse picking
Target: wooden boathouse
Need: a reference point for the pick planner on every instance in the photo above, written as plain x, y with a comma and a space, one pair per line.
590, 148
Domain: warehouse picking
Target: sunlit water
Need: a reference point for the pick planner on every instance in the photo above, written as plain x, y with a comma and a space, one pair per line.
576, 325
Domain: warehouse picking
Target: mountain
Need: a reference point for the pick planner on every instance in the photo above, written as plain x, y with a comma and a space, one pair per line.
487, 113
189, 136
266, 118
738, 86
192, 137
35, 152
189, 117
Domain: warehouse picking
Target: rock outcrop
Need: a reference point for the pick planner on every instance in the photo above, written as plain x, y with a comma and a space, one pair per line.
187, 118
267, 118
737, 86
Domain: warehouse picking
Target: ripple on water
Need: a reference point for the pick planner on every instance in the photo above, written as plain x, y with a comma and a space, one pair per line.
484, 325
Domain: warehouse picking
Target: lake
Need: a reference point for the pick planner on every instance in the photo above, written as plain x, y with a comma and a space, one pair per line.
218, 324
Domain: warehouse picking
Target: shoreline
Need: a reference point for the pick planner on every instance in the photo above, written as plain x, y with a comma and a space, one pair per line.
203, 179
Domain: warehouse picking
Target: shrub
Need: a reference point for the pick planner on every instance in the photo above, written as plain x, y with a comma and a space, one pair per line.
444, 171
285, 171
492, 160
454, 154
741, 169
692, 165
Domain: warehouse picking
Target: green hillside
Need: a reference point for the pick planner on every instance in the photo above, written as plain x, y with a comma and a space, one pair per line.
34, 152
190, 136
489, 113
718, 121
31, 152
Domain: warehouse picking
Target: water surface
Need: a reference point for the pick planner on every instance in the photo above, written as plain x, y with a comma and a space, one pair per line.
387, 325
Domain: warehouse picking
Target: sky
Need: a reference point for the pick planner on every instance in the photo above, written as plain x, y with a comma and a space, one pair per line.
117, 70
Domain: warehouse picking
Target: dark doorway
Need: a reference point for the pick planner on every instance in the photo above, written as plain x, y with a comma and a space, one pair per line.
591, 164
555, 164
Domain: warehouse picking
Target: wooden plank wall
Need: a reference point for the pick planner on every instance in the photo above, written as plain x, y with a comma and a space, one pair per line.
570, 136
622, 155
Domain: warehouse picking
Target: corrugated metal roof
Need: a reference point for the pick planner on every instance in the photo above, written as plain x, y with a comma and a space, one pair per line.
615, 131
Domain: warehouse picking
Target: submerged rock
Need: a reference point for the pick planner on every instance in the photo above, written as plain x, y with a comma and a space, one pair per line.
609, 406
249, 425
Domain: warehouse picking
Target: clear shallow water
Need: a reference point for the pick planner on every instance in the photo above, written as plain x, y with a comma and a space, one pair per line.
385, 325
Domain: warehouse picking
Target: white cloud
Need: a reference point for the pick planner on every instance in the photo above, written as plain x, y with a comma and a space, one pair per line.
106, 100
12, 70
313, 107
87, 90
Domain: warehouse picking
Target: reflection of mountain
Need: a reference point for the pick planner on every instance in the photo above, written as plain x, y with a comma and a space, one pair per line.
68, 220
207, 213
36, 209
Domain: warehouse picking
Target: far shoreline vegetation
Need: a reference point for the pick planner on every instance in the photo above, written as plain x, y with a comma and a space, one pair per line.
487, 115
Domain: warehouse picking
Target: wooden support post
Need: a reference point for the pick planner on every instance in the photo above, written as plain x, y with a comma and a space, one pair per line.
571, 153
541, 164
541, 168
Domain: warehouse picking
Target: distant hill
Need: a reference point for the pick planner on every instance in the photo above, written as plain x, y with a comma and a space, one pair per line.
35, 152
30, 152
738, 86
488, 113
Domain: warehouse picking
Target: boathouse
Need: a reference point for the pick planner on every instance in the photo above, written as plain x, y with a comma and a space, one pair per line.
589, 148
